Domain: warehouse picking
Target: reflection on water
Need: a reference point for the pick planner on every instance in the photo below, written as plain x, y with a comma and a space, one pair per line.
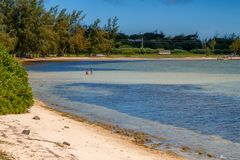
194, 103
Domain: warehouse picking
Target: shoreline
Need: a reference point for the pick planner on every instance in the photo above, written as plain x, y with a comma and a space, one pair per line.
137, 138
65, 59
61, 135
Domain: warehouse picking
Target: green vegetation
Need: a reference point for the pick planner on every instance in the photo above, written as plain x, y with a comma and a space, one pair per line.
132, 51
155, 56
27, 29
15, 93
235, 47
179, 43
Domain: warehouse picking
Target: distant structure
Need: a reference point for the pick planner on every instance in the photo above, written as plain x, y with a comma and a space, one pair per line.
164, 52
142, 43
137, 40
100, 55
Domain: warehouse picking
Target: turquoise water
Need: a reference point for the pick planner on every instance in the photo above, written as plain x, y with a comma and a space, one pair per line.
190, 103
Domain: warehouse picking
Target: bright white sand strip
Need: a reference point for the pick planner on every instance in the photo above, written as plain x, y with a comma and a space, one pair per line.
125, 77
87, 142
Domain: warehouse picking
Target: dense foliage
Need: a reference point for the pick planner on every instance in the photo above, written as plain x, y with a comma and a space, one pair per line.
15, 93
186, 43
28, 29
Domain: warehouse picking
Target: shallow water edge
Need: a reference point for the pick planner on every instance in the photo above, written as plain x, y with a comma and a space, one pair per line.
55, 82
147, 141
139, 138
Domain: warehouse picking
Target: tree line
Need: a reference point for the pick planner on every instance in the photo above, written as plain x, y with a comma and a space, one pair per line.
192, 43
28, 29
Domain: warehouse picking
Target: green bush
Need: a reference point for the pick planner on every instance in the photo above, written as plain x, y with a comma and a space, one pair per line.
199, 51
179, 51
15, 93
132, 51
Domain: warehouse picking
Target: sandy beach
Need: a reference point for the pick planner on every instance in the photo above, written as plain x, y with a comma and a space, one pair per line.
62, 59
54, 136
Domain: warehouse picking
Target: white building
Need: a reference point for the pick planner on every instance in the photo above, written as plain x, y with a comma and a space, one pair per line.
100, 55
164, 52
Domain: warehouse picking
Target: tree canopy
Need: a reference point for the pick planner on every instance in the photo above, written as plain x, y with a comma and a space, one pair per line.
235, 46
27, 28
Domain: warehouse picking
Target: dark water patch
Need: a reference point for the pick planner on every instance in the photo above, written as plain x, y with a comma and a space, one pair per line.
226, 67
70, 66
185, 106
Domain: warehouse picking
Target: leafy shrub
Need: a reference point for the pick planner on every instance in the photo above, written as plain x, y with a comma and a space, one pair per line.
179, 51
198, 51
132, 51
222, 51
15, 93
125, 46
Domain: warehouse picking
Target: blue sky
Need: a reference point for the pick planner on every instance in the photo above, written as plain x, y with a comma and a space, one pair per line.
207, 17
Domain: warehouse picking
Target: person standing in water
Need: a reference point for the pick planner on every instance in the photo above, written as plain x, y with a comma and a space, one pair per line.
91, 71
87, 72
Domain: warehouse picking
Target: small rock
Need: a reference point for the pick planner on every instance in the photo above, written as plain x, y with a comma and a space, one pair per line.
36, 118
26, 132
19, 141
185, 149
210, 155
66, 127
4, 135
66, 143
200, 152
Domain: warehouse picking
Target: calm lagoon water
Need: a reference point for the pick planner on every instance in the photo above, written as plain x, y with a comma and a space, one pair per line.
190, 103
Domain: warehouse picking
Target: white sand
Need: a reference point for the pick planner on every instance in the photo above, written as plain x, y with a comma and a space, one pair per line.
113, 58
122, 58
87, 142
